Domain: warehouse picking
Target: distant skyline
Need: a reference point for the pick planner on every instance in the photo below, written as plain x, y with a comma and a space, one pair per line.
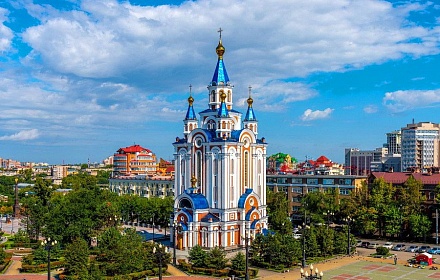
80, 79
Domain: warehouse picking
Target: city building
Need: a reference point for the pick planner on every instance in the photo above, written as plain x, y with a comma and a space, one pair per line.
220, 170
158, 186
281, 162
296, 186
394, 142
134, 160
358, 162
420, 146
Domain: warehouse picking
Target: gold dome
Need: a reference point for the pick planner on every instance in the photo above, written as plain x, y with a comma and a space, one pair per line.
223, 96
190, 100
220, 50
250, 101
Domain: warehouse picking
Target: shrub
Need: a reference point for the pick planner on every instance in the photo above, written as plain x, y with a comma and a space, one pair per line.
382, 251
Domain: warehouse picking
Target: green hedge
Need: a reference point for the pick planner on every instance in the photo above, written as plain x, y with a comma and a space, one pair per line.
40, 267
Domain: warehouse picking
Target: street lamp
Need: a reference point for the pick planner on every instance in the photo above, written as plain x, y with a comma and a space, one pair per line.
174, 242
314, 274
246, 239
329, 214
16, 204
48, 245
304, 239
160, 253
348, 220
152, 219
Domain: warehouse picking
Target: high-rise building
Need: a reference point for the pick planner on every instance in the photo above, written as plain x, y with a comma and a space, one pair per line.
420, 146
220, 170
394, 141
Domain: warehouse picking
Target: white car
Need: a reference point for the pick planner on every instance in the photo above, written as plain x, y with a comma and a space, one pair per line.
388, 245
297, 235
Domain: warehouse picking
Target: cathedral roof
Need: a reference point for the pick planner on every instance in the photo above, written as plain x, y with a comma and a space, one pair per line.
250, 115
220, 74
210, 218
243, 198
190, 114
199, 201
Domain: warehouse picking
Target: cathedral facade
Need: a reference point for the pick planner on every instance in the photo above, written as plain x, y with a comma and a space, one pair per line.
220, 170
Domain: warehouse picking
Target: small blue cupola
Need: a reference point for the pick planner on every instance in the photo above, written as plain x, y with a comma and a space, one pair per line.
220, 75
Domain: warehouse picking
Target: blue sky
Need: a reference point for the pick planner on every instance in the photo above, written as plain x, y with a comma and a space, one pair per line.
80, 79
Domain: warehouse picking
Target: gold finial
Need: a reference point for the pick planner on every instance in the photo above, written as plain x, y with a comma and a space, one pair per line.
16, 180
250, 100
193, 181
190, 98
223, 96
220, 50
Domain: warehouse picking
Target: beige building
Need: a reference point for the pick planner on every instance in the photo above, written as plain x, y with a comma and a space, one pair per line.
420, 146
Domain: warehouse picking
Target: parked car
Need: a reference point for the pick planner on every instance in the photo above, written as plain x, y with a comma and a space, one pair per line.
412, 249
399, 247
423, 248
373, 245
365, 244
434, 250
297, 235
358, 243
388, 245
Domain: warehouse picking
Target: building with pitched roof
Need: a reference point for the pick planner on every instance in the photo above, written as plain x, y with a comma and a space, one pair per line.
220, 170
134, 160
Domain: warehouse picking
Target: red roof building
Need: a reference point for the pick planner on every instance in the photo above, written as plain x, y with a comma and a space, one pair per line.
134, 160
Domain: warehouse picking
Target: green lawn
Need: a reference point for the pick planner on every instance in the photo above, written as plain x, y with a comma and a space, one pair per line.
379, 271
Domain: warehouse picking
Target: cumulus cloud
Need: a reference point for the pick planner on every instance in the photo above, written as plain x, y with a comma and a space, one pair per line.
276, 96
310, 115
6, 34
111, 39
402, 100
22, 135
370, 109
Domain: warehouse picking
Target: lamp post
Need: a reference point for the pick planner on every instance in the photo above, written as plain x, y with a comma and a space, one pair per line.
246, 239
304, 239
152, 219
160, 253
174, 242
48, 245
328, 214
314, 274
16, 204
348, 220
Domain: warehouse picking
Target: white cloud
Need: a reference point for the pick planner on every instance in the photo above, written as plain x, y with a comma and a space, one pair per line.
310, 115
370, 109
403, 100
6, 34
22, 135
111, 39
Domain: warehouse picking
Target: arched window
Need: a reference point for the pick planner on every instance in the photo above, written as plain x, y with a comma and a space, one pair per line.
246, 169
199, 168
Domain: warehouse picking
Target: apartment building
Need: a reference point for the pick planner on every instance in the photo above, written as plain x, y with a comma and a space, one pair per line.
134, 160
296, 186
420, 146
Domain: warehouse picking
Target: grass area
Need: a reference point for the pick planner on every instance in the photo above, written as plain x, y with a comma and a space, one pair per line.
364, 270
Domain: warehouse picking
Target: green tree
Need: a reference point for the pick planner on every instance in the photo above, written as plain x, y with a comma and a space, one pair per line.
278, 209
43, 190
393, 221
419, 225
238, 262
77, 259
381, 197
411, 196
197, 256
217, 258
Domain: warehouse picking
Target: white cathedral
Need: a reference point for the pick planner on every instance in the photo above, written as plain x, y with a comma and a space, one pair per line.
220, 171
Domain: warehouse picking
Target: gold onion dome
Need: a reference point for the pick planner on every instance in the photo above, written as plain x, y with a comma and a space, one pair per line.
223, 96
220, 50
190, 100
250, 101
